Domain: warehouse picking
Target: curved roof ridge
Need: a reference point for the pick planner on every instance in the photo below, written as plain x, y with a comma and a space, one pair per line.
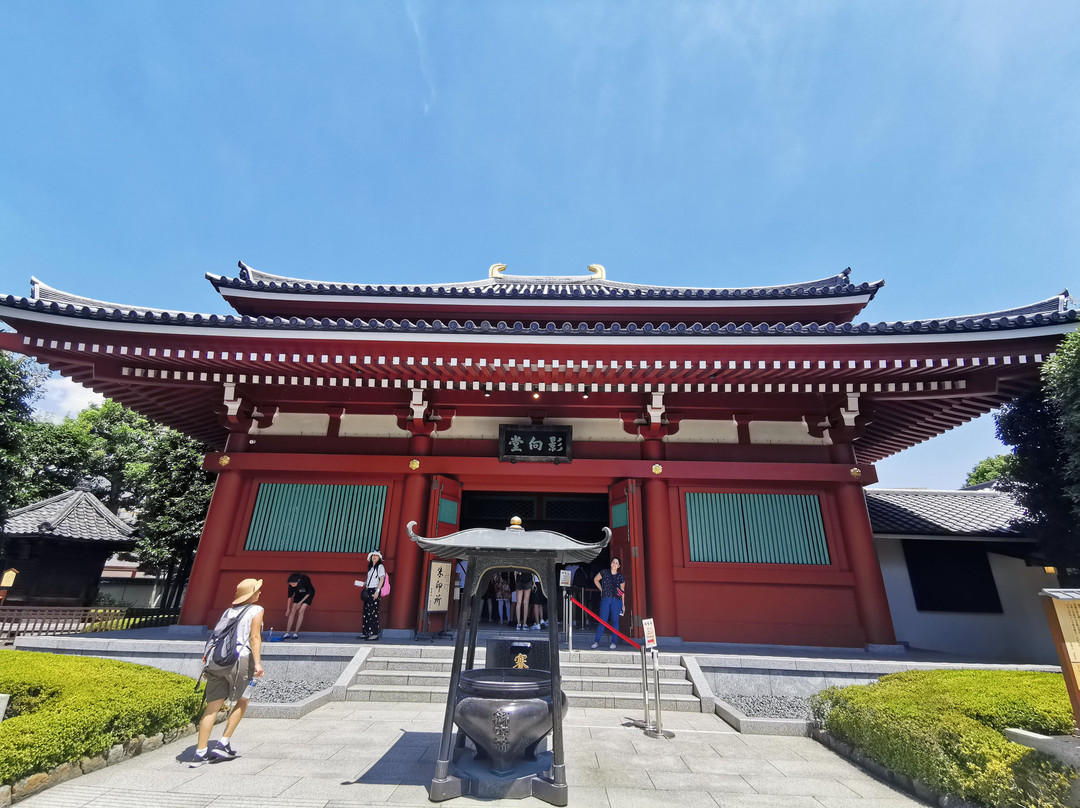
1051, 305
50, 294
251, 276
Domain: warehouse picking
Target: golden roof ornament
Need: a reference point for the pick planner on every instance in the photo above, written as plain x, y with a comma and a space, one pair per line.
495, 270
598, 272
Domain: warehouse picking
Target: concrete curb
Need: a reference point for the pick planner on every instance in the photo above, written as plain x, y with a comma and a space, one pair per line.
290, 709
348, 676
337, 692
747, 725
36, 783
699, 682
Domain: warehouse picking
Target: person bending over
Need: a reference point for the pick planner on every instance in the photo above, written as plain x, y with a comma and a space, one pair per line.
301, 596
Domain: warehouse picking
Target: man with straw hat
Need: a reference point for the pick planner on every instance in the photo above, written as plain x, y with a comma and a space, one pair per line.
231, 684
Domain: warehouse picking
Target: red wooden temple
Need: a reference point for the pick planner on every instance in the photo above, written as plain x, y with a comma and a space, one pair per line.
724, 434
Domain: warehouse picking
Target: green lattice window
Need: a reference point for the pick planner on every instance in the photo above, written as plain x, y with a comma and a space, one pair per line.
756, 528
317, 518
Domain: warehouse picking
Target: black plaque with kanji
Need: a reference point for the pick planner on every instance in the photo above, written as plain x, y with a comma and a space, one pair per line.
535, 444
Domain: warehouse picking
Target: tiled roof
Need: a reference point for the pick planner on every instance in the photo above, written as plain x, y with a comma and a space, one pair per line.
72, 515
545, 287
1055, 310
943, 513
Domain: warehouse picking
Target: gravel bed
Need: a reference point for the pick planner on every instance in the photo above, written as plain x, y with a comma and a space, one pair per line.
770, 706
286, 691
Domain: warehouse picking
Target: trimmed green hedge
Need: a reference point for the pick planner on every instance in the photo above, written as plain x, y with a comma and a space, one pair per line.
64, 708
945, 728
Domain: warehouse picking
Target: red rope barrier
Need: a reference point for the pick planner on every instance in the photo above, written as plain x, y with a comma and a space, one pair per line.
598, 620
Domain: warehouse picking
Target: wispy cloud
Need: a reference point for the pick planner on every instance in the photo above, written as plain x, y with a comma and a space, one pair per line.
422, 56
64, 398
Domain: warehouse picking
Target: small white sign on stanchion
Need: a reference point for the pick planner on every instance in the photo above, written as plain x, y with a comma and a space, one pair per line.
565, 576
650, 632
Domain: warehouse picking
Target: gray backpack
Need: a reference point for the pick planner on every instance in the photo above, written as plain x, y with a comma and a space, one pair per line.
222, 653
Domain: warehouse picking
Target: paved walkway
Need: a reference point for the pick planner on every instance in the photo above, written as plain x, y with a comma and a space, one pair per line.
368, 754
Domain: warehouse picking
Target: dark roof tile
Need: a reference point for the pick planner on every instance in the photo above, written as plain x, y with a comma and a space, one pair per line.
72, 515
972, 513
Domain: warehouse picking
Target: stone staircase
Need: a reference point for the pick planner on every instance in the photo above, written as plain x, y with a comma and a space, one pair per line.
598, 678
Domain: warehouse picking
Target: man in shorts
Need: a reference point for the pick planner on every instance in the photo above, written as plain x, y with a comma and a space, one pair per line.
230, 685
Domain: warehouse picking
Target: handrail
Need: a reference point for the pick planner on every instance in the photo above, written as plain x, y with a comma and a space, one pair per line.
584, 608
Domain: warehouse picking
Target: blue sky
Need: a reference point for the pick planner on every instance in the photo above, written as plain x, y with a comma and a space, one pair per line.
932, 144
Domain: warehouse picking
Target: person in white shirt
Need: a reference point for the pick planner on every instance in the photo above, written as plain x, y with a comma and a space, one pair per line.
231, 684
373, 585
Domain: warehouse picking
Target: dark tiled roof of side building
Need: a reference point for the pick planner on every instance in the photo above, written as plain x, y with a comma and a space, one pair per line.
915, 512
77, 515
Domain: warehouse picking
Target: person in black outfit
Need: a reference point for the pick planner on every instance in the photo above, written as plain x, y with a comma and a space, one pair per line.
301, 596
523, 584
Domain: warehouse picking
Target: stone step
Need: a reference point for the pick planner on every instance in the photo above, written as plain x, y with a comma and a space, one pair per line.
567, 668
610, 700
675, 702
440, 681
600, 655
589, 684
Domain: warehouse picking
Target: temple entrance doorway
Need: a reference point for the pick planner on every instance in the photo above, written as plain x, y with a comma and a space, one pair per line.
580, 516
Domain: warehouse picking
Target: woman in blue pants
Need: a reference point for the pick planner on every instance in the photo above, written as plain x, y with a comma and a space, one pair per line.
610, 583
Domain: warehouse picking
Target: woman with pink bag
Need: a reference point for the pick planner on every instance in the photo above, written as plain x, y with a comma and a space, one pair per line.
373, 587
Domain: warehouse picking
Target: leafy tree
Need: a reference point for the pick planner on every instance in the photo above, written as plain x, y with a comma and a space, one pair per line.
54, 459
120, 440
20, 383
128, 461
1062, 376
175, 494
990, 468
1043, 427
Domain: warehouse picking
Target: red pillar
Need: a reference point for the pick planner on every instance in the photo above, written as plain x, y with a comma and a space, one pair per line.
870, 596
403, 600
660, 579
220, 518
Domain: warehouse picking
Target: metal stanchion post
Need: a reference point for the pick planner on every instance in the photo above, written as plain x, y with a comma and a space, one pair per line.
569, 622
658, 732
645, 687
645, 725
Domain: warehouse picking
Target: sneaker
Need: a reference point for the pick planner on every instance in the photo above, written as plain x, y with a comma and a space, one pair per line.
520, 627
373, 638
595, 645
199, 760
535, 626
612, 646
223, 751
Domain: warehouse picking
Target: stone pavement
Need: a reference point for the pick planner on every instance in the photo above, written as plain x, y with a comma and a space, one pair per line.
369, 754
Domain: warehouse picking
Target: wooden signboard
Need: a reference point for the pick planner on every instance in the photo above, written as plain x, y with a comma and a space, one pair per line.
1062, 608
440, 587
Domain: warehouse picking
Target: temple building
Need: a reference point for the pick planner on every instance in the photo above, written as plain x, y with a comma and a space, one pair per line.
725, 434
